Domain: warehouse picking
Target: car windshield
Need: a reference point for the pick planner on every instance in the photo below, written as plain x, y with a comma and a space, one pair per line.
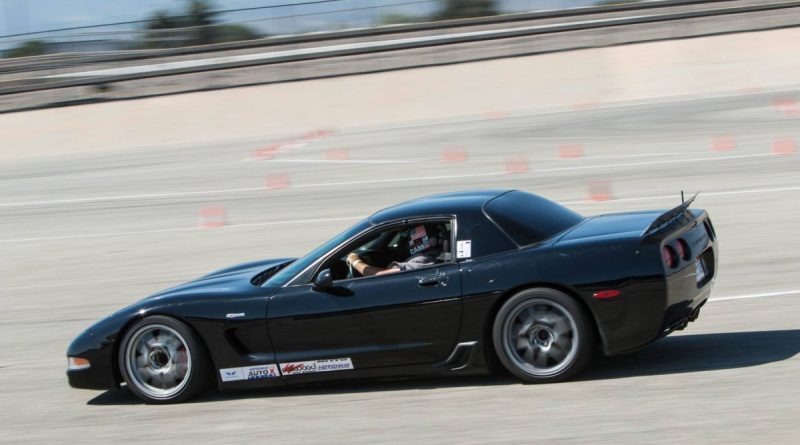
289, 272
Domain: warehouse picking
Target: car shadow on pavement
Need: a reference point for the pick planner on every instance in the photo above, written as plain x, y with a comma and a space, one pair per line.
699, 352
676, 354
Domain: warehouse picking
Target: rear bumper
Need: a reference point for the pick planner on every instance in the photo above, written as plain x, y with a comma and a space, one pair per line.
688, 291
650, 309
680, 315
665, 298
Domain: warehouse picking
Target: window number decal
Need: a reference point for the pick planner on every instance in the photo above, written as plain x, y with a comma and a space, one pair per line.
464, 249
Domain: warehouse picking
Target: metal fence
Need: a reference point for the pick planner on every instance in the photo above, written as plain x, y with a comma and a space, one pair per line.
253, 22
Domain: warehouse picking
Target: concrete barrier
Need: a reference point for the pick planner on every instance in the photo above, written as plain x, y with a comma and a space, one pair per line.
727, 64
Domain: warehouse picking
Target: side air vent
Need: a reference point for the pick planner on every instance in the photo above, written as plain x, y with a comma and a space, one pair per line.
460, 357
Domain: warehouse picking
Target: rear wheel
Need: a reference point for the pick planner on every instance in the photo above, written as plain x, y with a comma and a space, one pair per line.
542, 335
162, 360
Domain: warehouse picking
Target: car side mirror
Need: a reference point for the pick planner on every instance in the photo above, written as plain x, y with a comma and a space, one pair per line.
324, 280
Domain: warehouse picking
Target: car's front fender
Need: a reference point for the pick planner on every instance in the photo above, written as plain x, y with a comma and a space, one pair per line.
97, 344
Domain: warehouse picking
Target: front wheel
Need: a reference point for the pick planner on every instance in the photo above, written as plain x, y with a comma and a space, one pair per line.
542, 335
162, 361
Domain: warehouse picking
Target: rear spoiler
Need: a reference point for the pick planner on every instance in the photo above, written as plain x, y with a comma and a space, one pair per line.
678, 214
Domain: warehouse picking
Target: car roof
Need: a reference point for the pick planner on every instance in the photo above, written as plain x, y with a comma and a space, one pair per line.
453, 203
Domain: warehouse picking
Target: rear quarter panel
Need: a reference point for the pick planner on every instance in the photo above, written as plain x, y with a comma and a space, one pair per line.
581, 268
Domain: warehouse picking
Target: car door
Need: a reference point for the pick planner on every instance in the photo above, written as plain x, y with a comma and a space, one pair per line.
409, 317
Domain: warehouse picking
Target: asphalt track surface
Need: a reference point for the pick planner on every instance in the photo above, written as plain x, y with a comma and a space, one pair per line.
81, 236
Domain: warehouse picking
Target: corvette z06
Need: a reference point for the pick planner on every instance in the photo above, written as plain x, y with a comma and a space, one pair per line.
450, 284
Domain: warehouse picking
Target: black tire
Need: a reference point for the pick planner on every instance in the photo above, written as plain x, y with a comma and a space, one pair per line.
163, 361
542, 335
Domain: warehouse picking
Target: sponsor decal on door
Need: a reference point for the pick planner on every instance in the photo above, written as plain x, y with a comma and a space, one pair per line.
259, 372
250, 373
335, 364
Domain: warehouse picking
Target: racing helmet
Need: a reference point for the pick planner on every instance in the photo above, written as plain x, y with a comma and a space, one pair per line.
425, 237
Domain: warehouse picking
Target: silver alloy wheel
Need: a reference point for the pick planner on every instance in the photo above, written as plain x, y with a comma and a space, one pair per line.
158, 361
540, 337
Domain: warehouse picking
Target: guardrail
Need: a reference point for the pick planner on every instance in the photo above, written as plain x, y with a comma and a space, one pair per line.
105, 76
68, 59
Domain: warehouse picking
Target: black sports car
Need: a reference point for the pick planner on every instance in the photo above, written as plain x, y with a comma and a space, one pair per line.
453, 283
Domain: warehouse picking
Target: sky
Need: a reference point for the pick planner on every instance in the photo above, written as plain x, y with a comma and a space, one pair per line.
23, 16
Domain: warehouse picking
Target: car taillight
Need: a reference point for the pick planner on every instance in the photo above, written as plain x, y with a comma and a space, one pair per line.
683, 249
669, 257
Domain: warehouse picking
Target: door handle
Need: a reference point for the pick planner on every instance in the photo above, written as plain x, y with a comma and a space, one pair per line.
431, 281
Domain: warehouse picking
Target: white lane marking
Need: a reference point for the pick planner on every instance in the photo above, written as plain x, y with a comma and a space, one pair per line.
625, 156
675, 196
417, 160
179, 229
333, 184
127, 197
236, 190
350, 218
671, 161
156, 67
767, 294
333, 161
380, 181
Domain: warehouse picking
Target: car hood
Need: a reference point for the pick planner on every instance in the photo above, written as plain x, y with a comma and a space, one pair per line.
234, 280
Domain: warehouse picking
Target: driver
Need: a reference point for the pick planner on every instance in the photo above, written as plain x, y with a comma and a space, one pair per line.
424, 249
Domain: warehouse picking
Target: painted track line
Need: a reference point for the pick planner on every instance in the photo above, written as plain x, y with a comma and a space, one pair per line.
179, 229
676, 196
365, 182
129, 197
352, 218
235, 190
479, 157
336, 161
763, 295
671, 161
626, 156
389, 180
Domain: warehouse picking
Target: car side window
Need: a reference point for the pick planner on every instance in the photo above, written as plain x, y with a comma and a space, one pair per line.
395, 248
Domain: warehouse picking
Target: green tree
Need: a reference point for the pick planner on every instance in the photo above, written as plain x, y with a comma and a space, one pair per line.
462, 9
615, 2
25, 49
232, 33
194, 26
200, 16
399, 19
162, 20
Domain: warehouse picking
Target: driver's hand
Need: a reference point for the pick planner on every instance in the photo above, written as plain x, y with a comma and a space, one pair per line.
352, 258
